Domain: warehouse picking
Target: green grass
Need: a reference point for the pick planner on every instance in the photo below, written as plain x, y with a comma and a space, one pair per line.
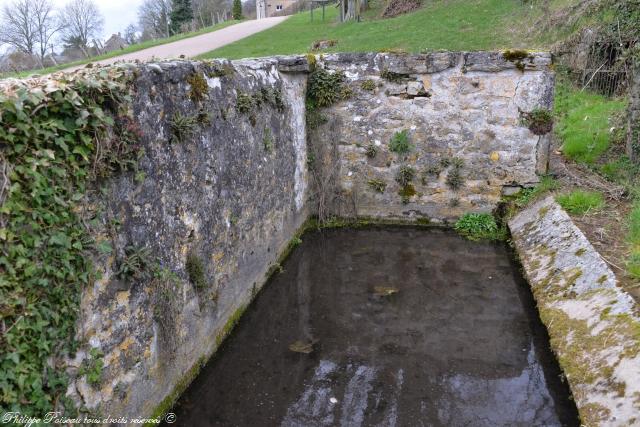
479, 226
633, 237
579, 202
451, 25
526, 196
583, 122
129, 49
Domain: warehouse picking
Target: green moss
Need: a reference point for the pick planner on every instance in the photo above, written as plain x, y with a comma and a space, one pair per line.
579, 356
245, 103
391, 76
602, 279
168, 402
217, 70
231, 322
517, 57
195, 271
539, 121
312, 61
407, 192
581, 252
199, 88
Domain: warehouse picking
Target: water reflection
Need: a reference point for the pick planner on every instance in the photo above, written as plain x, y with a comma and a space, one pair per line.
459, 344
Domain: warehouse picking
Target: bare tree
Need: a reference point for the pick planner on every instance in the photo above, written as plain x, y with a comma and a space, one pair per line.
46, 25
18, 27
130, 34
153, 18
82, 22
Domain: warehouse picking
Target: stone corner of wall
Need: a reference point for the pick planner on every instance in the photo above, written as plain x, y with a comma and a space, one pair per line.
592, 322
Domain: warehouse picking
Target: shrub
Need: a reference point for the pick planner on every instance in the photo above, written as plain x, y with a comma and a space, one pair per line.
579, 202
477, 226
400, 142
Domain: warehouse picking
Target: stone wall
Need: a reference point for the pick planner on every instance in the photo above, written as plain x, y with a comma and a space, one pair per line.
465, 115
229, 173
229, 195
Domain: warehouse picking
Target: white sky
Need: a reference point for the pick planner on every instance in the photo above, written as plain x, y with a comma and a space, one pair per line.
117, 13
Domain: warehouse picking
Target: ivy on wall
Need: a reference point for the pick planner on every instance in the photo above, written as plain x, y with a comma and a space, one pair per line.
56, 137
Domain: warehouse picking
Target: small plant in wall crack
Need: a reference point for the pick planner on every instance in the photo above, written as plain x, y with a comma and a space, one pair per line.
405, 175
182, 127
267, 140
135, 264
325, 88
400, 142
92, 367
368, 85
539, 121
195, 271
371, 151
454, 175
377, 185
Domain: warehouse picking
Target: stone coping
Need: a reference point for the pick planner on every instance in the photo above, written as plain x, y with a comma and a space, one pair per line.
593, 324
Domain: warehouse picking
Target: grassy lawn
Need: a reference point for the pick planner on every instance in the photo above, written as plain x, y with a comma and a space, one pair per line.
129, 49
585, 122
450, 25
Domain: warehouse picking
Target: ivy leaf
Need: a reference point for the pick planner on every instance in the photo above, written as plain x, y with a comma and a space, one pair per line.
104, 247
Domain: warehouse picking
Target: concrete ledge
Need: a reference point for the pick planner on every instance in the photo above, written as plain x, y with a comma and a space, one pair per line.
593, 324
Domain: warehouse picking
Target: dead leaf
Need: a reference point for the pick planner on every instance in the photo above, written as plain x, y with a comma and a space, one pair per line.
384, 291
301, 347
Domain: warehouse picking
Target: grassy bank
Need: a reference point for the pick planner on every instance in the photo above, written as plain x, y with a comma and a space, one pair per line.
451, 25
591, 130
129, 49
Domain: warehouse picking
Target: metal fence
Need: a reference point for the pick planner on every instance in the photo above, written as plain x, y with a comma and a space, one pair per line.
606, 71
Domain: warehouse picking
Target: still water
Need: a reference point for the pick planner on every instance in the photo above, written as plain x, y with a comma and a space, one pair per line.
386, 327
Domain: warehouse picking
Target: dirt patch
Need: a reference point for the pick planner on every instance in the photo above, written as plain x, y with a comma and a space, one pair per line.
398, 7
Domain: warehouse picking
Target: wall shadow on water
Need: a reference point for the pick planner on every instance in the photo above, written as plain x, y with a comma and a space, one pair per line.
460, 343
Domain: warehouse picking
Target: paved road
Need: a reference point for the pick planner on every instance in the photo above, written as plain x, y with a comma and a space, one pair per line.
197, 45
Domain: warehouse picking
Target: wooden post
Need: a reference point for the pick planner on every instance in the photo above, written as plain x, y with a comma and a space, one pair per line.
633, 115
